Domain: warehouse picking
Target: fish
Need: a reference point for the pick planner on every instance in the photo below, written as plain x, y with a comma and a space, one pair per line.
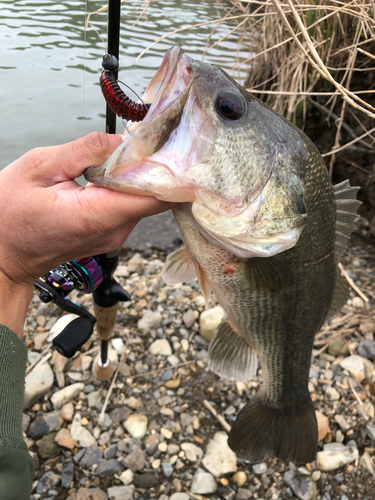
263, 229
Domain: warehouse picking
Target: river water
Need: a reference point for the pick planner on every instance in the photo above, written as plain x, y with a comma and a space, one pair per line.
50, 67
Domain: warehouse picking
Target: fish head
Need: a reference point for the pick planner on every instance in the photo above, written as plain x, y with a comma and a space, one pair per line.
207, 141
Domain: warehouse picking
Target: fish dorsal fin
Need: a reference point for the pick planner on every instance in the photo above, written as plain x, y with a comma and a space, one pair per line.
231, 356
346, 213
340, 294
178, 267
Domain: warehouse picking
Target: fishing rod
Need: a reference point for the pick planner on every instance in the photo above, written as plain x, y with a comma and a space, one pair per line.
95, 274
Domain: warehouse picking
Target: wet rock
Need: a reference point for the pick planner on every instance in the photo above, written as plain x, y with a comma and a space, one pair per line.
323, 425
149, 321
160, 347
209, 320
46, 446
366, 349
64, 439
127, 477
146, 480
135, 460
109, 468
192, 452
67, 475
136, 425
335, 456
45, 423
38, 382
239, 478
47, 481
301, 485
63, 396
121, 492
219, 458
354, 365
203, 483
89, 457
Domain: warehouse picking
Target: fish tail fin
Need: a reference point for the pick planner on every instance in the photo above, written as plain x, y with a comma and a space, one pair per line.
262, 431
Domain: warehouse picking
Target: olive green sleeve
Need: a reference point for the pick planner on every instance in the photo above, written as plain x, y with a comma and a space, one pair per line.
16, 464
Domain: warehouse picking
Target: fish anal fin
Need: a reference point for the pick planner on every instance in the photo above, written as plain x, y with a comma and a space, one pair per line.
178, 267
231, 356
346, 213
262, 431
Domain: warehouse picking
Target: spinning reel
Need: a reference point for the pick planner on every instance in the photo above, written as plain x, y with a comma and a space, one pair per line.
88, 275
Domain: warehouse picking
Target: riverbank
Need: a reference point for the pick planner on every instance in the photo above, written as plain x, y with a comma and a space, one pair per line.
165, 417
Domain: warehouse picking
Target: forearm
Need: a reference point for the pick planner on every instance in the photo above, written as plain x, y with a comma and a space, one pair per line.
14, 302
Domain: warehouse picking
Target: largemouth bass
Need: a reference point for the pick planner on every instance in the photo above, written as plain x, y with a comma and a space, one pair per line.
263, 229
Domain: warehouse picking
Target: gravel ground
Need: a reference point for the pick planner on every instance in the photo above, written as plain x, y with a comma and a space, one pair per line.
159, 429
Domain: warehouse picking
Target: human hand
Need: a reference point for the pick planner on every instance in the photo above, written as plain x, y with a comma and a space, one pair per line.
46, 218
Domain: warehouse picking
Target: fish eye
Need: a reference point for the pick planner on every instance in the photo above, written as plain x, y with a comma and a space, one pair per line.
230, 105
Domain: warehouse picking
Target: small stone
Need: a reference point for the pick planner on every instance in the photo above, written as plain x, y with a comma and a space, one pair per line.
63, 396
111, 451
335, 347
120, 414
192, 452
39, 340
136, 425
127, 477
173, 449
167, 469
179, 496
186, 419
260, 468
173, 384
81, 436
332, 394
151, 443
323, 425
370, 431
146, 480
366, 349
67, 412
244, 494
47, 481
118, 345
67, 475
316, 475
104, 422
38, 382
358, 302
331, 459
94, 398
109, 468
188, 318
135, 403
46, 446
160, 347
341, 420
150, 321
121, 492
122, 271
219, 458
135, 460
166, 433
301, 485
203, 483
354, 365
89, 494
173, 360
209, 320
367, 327
366, 463
89, 457
25, 422
136, 264
63, 438
45, 423
239, 478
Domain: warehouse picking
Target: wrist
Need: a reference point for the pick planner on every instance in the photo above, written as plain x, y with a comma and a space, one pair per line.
14, 302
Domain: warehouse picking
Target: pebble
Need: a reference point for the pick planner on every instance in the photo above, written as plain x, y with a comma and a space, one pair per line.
135, 460
135, 403
127, 477
63, 396
47, 481
167, 469
64, 439
301, 485
179, 496
358, 302
118, 345
192, 452
209, 320
336, 347
81, 436
239, 478
323, 425
121, 492
108, 468
333, 457
146, 480
46, 446
219, 458
366, 463
150, 321
332, 394
370, 431
89, 456
366, 349
354, 365
160, 347
136, 425
136, 264
260, 468
89, 494
188, 318
47, 422
67, 475
203, 483
38, 382
67, 412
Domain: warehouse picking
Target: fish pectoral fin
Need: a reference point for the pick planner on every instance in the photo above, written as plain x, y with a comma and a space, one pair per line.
270, 273
262, 431
346, 213
231, 356
204, 284
179, 267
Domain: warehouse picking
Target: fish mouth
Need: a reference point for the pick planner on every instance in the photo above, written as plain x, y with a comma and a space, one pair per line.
167, 93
